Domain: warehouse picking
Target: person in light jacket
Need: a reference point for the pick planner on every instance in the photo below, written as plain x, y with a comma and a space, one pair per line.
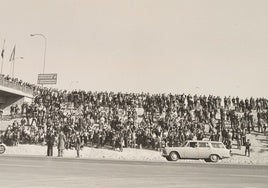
61, 143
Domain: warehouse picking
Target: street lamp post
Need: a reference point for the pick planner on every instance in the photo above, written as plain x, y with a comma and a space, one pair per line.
38, 34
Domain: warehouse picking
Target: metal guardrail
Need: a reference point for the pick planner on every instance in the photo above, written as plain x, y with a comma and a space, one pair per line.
15, 85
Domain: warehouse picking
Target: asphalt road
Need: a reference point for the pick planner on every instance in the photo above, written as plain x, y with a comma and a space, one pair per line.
22, 171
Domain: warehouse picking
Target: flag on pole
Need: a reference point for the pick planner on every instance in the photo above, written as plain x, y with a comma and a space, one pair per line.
12, 56
3, 50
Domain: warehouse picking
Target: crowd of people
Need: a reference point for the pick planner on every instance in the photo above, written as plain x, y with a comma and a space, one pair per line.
136, 120
17, 81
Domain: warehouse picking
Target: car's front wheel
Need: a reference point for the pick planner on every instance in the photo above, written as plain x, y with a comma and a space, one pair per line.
214, 158
174, 156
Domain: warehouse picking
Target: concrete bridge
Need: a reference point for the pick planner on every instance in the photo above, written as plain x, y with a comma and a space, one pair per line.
13, 93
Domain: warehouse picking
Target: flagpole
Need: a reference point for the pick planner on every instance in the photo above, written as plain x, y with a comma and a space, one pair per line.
2, 54
2, 62
13, 62
12, 58
10, 71
14, 65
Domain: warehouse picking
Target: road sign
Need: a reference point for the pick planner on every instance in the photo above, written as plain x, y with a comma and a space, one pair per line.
47, 78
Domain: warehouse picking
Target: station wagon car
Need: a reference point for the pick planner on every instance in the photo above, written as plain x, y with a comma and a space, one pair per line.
210, 151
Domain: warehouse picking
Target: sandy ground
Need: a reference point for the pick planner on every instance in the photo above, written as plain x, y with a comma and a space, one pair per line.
88, 152
259, 152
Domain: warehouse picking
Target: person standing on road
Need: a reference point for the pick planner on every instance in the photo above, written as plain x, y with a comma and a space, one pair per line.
61, 143
78, 144
238, 139
50, 142
247, 150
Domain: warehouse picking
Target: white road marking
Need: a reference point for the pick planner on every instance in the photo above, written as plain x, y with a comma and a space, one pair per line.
19, 165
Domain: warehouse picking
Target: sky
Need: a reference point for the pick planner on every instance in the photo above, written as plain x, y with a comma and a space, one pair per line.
157, 46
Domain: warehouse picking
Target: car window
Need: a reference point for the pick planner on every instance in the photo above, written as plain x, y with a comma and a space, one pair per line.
217, 145
203, 145
193, 144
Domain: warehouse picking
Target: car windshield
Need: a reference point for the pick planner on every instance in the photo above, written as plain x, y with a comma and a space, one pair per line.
184, 144
217, 145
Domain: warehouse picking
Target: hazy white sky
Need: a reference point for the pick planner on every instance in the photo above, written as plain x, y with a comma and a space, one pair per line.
191, 46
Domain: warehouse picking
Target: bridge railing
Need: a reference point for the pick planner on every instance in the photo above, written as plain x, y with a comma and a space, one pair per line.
15, 85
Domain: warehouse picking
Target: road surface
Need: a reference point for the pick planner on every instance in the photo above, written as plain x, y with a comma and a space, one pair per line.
33, 171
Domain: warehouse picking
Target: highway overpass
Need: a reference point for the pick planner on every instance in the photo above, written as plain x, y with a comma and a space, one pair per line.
13, 93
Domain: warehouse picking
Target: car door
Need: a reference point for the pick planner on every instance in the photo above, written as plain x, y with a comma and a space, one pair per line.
204, 150
190, 151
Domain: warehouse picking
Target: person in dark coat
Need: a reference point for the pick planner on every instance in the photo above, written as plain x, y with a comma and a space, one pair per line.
247, 150
78, 144
50, 142
61, 143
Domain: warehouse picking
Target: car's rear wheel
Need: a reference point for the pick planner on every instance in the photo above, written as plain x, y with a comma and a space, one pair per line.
174, 156
2, 149
214, 158
168, 158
